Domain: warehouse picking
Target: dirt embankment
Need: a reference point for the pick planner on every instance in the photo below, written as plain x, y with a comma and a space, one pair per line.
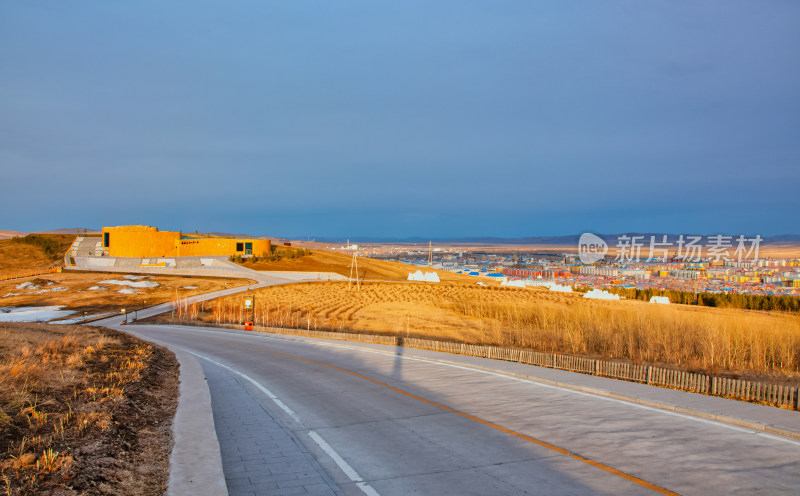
84, 410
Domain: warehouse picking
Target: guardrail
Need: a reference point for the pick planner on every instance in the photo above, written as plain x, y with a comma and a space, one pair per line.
726, 387
52, 270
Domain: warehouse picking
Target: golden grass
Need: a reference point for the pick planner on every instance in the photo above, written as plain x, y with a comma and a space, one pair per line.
20, 257
35, 365
339, 263
78, 296
63, 389
702, 339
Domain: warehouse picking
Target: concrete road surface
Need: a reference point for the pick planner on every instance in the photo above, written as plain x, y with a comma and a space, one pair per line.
337, 419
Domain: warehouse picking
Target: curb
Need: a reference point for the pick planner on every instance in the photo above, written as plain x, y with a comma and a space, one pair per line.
195, 462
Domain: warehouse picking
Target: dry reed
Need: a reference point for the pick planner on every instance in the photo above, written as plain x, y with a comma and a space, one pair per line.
707, 339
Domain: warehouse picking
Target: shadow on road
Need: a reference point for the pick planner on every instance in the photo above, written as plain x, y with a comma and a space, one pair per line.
397, 369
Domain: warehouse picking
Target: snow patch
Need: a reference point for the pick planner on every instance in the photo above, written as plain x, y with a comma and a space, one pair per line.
599, 294
427, 277
35, 292
190, 287
136, 278
133, 284
660, 299
98, 288
33, 314
79, 320
49, 290
128, 291
32, 285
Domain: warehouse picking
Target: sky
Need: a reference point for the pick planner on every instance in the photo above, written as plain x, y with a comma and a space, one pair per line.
379, 118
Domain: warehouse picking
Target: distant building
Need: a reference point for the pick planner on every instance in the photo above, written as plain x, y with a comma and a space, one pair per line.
146, 242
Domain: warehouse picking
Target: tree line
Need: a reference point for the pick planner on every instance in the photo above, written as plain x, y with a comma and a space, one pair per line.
784, 303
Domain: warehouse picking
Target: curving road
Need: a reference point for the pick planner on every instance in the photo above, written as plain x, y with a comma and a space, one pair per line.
307, 416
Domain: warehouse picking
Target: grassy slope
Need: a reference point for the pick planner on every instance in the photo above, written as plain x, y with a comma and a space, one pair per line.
20, 257
700, 339
339, 263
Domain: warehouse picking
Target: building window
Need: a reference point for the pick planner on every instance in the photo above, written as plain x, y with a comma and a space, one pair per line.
239, 246
106, 239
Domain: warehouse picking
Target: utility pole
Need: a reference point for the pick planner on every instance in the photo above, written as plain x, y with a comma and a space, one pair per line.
354, 267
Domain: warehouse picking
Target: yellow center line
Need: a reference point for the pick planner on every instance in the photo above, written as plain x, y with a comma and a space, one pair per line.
544, 444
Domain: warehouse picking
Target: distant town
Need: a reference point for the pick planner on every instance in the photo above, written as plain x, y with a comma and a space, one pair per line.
765, 276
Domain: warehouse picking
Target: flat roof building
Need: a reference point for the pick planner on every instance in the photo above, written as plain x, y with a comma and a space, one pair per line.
147, 242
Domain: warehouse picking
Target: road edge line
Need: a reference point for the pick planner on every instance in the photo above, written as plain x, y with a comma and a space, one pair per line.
345, 467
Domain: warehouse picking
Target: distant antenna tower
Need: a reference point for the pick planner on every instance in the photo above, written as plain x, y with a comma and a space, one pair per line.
353, 268
430, 253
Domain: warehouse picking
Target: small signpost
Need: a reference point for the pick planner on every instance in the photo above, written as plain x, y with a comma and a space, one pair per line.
249, 304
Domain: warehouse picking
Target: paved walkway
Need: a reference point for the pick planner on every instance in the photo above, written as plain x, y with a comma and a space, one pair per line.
260, 456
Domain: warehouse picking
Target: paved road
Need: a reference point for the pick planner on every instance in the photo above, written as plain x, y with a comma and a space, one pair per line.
315, 417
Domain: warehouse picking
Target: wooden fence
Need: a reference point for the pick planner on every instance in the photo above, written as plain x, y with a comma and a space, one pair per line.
52, 270
738, 389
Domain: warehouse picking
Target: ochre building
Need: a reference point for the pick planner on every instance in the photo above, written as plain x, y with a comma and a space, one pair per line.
149, 242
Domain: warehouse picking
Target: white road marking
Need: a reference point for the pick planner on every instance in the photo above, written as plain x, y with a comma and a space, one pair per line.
346, 468
261, 388
717, 423
343, 465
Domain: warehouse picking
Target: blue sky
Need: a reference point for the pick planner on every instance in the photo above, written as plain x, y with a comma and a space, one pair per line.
377, 118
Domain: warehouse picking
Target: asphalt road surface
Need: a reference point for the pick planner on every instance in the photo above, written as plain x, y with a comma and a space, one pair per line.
382, 423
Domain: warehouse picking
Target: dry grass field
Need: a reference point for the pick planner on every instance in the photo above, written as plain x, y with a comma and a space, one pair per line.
84, 410
78, 296
339, 263
699, 339
20, 257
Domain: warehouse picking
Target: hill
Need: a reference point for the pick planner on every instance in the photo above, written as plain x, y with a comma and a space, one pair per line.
10, 234
711, 340
339, 263
20, 257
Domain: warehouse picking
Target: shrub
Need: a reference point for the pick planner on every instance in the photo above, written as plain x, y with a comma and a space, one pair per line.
49, 246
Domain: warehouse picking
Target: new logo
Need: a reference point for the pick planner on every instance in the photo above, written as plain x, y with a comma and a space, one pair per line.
591, 248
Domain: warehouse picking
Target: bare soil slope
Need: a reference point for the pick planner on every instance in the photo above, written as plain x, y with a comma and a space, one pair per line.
85, 410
